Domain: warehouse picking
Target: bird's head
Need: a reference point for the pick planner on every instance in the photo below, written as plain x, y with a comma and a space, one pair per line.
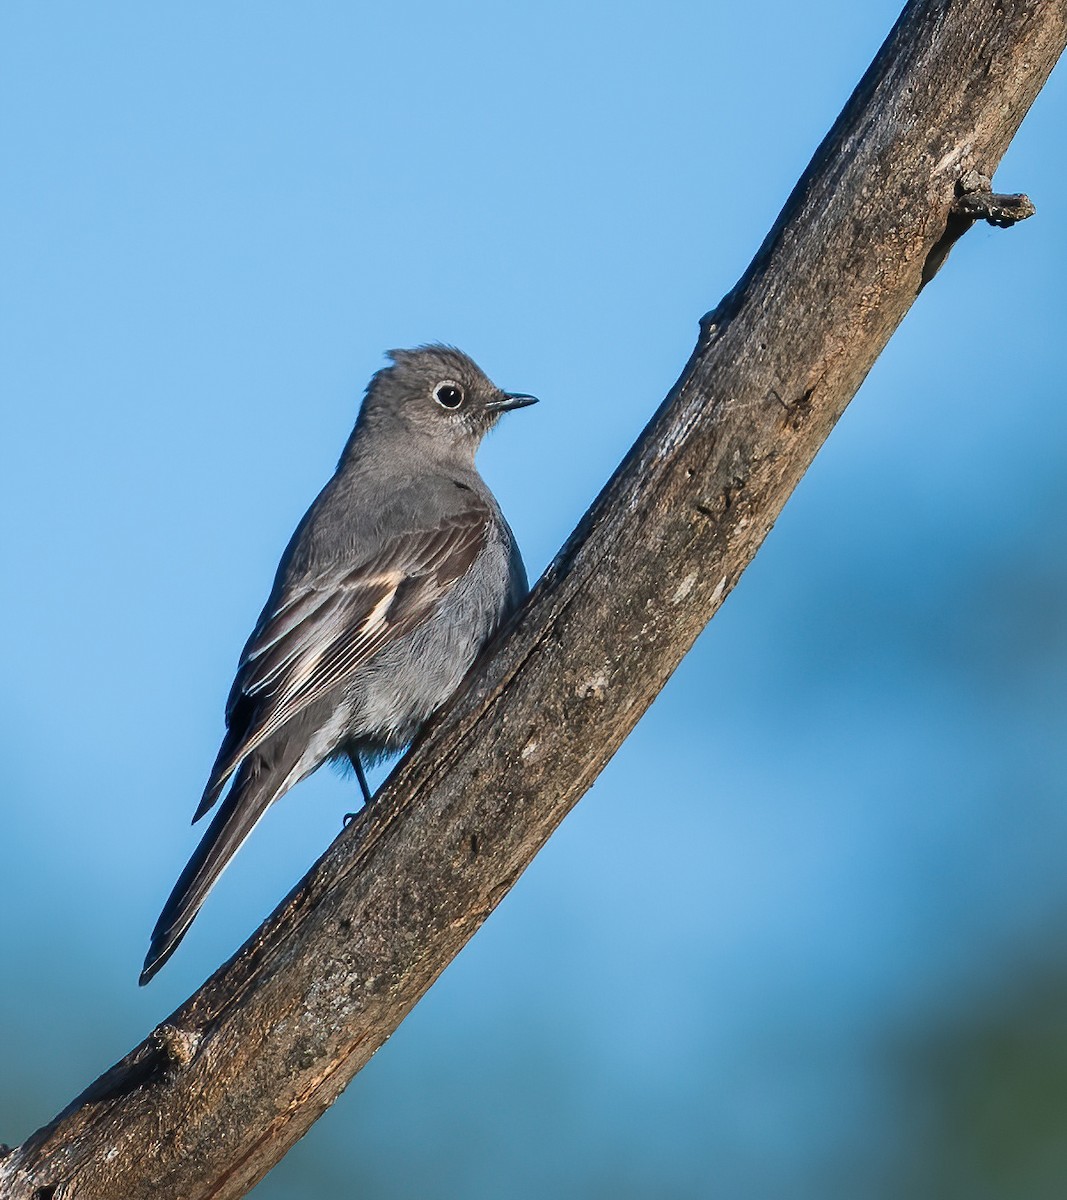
436, 397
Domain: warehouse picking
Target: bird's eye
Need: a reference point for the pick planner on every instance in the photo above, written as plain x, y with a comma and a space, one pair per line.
448, 394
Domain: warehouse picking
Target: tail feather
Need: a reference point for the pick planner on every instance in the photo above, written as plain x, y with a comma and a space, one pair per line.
226, 761
255, 788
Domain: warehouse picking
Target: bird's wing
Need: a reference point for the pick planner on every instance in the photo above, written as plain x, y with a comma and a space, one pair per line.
321, 632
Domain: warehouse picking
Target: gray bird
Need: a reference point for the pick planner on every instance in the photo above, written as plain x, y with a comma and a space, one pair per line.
395, 579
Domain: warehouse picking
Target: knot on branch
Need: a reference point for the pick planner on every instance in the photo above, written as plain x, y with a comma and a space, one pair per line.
179, 1045
976, 201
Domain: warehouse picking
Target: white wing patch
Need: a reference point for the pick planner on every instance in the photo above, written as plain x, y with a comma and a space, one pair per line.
376, 617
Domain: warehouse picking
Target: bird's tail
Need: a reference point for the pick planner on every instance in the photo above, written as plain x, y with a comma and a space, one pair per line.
257, 785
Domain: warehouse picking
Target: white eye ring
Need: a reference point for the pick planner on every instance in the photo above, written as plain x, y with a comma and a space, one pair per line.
449, 394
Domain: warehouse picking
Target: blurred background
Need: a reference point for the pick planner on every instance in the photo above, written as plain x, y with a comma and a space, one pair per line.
806, 935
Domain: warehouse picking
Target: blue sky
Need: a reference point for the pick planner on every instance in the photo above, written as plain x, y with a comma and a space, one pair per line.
840, 824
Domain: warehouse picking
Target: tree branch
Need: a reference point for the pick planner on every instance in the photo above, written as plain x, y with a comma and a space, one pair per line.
215, 1096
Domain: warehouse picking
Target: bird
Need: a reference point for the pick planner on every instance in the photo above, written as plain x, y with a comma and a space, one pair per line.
394, 581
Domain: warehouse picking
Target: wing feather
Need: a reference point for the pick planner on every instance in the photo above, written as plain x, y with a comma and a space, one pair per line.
322, 633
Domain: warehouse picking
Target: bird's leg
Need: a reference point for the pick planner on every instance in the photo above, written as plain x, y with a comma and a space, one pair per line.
354, 759
362, 778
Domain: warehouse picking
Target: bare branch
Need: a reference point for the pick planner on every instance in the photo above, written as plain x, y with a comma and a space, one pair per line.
209, 1102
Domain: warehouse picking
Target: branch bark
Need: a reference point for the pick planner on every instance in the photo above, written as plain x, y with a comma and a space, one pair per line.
218, 1093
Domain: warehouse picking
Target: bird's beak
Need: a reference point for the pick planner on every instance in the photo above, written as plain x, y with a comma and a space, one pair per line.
510, 400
